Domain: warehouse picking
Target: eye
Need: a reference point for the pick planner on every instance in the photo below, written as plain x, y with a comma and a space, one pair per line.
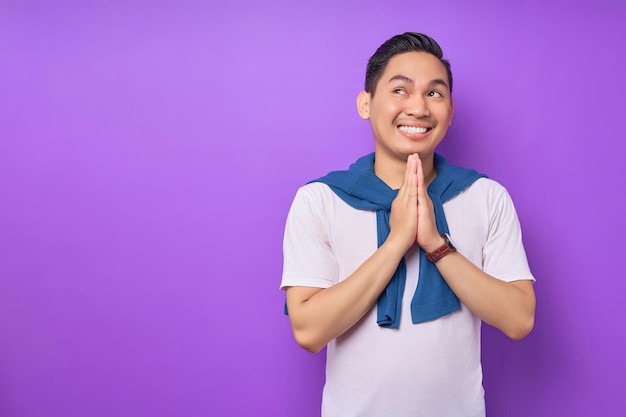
435, 94
399, 91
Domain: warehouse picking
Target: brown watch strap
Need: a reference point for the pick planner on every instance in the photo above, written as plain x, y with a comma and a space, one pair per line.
442, 250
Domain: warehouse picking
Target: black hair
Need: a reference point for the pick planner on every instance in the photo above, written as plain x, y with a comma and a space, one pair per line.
406, 42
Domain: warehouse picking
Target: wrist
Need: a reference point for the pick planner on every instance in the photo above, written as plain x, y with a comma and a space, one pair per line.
444, 249
396, 246
434, 244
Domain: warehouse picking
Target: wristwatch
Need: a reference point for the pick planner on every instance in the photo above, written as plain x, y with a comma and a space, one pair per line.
442, 250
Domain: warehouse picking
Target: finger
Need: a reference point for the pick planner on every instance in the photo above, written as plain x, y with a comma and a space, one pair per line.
420, 170
403, 191
421, 189
413, 180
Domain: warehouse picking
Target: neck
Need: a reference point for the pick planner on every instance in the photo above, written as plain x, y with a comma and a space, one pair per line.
391, 171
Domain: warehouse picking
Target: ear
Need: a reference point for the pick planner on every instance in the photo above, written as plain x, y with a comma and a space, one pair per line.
451, 110
363, 105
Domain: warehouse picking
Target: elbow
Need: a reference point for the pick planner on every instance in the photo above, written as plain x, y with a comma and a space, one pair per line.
308, 342
312, 348
521, 329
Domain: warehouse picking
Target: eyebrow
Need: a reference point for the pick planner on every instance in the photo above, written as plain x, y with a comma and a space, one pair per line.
402, 78
432, 83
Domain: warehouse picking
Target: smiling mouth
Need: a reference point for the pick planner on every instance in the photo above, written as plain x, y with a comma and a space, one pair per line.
414, 130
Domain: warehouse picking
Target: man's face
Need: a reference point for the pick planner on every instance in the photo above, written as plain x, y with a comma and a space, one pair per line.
411, 109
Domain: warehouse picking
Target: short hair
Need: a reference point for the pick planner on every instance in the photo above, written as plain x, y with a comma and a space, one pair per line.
399, 44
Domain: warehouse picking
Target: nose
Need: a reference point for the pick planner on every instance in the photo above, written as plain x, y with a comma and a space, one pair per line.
417, 106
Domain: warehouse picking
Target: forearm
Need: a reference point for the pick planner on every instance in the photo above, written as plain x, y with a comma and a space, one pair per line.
321, 315
508, 306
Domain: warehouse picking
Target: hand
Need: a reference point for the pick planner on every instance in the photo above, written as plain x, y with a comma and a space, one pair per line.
404, 208
428, 237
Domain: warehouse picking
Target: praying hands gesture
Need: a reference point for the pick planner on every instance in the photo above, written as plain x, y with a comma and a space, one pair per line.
412, 214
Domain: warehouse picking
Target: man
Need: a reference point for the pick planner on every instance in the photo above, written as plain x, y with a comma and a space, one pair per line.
394, 263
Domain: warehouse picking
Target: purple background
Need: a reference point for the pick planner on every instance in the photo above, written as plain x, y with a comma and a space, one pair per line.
149, 154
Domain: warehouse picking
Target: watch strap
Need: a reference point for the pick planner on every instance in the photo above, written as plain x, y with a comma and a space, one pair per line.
443, 250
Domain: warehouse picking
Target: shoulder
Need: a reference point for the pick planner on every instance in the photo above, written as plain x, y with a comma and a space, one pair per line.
488, 191
483, 191
486, 186
315, 195
316, 200
314, 190
485, 199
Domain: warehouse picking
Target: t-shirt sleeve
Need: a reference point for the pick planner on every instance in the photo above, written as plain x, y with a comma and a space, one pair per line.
504, 256
308, 259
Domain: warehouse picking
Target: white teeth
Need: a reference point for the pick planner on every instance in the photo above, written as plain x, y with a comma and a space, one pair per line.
412, 130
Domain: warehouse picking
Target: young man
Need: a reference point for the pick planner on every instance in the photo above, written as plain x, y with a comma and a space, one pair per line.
393, 263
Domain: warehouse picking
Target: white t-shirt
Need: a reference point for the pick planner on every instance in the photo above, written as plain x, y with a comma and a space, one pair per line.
429, 369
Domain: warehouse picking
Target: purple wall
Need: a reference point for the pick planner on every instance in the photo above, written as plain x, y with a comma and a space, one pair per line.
149, 154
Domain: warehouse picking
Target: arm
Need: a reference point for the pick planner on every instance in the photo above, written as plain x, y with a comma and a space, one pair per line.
320, 315
508, 306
